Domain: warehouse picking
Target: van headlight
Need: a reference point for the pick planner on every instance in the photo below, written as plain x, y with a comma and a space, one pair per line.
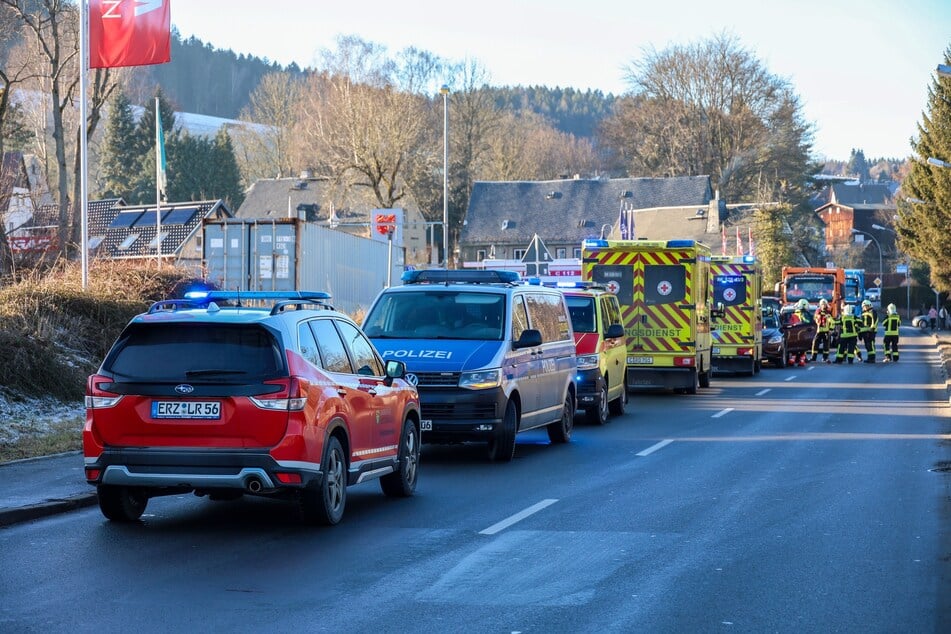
775, 339
481, 379
588, 361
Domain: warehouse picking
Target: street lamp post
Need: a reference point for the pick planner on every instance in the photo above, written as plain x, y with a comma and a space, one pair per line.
881, 271
444, 91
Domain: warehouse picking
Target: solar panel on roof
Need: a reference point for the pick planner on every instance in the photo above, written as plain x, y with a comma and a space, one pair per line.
148, 219
125, 219
180, 216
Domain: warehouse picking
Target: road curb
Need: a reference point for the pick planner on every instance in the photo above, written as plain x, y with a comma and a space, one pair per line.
12, 516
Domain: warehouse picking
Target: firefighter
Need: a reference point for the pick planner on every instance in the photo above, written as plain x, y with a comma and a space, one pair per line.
800, 316
824, 325
847, 336
890, 342
868, 328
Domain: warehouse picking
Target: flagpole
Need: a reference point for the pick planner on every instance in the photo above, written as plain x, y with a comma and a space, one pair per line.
158, 184
83, 161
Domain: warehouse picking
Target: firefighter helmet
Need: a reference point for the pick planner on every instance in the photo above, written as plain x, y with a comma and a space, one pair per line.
823, 303
892, 310
866, 304
802, 304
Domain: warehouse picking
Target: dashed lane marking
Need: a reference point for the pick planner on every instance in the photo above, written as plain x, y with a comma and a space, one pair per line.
518, 517
722, 412
761, 392
790, 378
654, 448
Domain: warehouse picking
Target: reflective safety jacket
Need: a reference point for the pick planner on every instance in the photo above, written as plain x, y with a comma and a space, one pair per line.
869, 323
849, 327
824, 321
891, 324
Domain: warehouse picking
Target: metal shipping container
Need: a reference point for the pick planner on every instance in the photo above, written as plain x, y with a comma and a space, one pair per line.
291, 254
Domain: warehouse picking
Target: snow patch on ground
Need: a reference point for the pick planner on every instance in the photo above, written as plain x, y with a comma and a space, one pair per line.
23, 416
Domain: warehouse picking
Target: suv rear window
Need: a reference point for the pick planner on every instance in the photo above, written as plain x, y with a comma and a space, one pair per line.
196, 352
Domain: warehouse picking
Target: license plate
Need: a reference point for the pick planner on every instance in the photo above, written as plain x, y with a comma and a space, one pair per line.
425, 425
716, 350
187, 409
640, 360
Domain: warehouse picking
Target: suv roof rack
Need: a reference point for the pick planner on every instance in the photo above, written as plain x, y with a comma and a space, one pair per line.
282, 299
443, 276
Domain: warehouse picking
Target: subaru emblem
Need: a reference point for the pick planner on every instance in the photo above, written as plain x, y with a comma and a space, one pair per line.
184, 388
412, 379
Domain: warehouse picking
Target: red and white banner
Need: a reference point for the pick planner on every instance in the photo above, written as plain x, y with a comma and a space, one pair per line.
129, 32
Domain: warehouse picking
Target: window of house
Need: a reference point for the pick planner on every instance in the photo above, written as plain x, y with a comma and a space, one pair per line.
518, 254
577, 253
480, 255
128, 242
561, 253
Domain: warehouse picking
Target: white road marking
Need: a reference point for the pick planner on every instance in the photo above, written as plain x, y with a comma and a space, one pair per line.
722, 412
761, 392
811, 368
518, 517
654, 448
790, 378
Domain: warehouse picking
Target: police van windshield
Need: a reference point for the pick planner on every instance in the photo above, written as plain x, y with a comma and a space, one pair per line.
443, 314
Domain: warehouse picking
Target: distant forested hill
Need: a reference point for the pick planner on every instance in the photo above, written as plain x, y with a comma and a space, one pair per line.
569, 110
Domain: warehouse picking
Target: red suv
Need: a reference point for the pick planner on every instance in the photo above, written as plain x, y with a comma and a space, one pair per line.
288, 401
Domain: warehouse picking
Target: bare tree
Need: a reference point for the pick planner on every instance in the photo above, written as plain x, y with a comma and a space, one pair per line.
264, 147
52, 27
358, 122
710, 108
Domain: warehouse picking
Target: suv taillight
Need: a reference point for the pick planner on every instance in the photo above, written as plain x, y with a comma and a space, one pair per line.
98, 398
289, 399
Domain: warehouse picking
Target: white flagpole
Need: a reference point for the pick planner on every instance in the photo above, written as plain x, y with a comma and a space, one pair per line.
83, 159
158, 185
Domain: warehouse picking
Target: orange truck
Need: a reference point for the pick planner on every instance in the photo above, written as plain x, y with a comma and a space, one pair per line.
813, 284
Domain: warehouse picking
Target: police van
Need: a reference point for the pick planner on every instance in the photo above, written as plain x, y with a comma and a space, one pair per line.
489, 355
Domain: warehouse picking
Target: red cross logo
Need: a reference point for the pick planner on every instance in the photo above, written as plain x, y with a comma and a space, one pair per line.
729, 294
613, 287
664, 288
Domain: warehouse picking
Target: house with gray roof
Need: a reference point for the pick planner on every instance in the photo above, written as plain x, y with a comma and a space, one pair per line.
503, 217
117, 231
858, 207
341, 207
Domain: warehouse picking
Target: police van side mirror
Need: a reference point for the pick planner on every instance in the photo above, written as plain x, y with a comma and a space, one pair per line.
529, 339
615, 331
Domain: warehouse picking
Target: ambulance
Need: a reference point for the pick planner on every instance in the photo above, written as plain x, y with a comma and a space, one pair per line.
665, 296
737, 286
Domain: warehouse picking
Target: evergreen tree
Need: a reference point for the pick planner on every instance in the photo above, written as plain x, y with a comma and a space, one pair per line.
923, 225
227, 175
773, 242
119, 159
858, 166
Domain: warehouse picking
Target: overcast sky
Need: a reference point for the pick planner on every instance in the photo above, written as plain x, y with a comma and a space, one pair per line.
861, 69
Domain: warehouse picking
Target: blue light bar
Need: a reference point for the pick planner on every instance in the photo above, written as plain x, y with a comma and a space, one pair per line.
443, 276
196, 294
749, 259
593, 243
680, 243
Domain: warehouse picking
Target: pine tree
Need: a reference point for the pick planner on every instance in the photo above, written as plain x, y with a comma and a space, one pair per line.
924, 221
773, 242
119, 160
227, 174
858, 166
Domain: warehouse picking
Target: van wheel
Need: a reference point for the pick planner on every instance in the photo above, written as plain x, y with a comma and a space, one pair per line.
121, 504
694, 377
617, 405
402, 482
502, 445
757, 366
560, 432
704, 379
783, 357
324, 503
599, 415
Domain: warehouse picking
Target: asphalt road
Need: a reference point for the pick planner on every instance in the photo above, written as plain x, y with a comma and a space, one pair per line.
812, 499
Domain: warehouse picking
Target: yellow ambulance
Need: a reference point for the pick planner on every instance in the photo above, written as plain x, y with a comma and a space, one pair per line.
664, 291
737, 288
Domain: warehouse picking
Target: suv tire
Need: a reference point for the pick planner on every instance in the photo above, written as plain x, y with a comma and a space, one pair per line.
402, 482
560, 432
121, 504
502, 445
324, 503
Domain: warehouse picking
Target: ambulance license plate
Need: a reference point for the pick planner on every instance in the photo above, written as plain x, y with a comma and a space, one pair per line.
641, 360
425, 425
716, 350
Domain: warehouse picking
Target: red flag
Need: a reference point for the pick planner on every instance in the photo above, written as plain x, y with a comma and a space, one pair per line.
129, 32
749, 241
739, 242
723, 240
